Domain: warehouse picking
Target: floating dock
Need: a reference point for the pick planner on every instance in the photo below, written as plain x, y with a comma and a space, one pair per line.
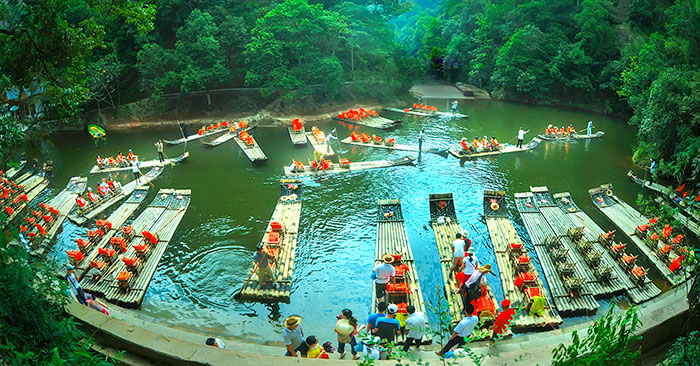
63, 203
502, 234
298, 137
422, 113
458, 153
142, 164
627, 219
32, 185
349, 167
282, 242
253, 152
321, 146
637, 292
443, 220
79, 216
225, 137
596, 135
566, 279
161, 219
597, 277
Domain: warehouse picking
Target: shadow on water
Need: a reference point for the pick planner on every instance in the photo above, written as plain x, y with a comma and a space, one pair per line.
232, 200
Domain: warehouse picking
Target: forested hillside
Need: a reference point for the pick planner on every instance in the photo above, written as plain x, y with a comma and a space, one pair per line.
636, 58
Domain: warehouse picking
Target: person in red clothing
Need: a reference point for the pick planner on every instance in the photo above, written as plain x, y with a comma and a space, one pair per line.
503, 319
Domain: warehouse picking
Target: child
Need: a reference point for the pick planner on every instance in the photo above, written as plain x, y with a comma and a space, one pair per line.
312, 349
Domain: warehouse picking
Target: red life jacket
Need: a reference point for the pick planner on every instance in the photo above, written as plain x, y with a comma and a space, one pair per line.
99, 160
42, 231
81, 202
465, 145
92, 196
102, 190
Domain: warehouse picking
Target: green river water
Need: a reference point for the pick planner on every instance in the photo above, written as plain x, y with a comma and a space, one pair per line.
232, 200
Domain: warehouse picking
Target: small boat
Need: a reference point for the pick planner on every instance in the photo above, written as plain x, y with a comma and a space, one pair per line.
572, 137
347, 166
142, 164
425, 113
12, 172
249, 146
225, 137
458, 152
297, 132
96, 131
319, 141
364, 117
203, 132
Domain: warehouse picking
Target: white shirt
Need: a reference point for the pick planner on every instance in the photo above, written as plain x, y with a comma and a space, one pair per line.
470, 265
466, 326
521, 134
458, 246
384, 272
75, 285
476, 276
415, 323
219, 343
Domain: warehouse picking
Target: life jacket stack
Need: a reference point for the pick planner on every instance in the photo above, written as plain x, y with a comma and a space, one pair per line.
142, 250
298, 166
74, 256
95, 235
344, 162
424, 107
318, 134
132, 264
398, 289
247, 138
103, 225
296, 125
124, 280
127, 232
118, 243
107, 254
150, 237
83, 245
358, 114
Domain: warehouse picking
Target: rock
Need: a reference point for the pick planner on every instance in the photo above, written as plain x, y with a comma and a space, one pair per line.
472, 91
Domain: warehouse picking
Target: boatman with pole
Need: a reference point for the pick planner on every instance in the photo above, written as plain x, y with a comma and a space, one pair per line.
454, 107
420, 144
590, 128
159, 148
521, 137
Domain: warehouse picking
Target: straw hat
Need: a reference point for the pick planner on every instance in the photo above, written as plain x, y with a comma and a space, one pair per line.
343, 327
387, 258
495, 206
292, 320
486, 268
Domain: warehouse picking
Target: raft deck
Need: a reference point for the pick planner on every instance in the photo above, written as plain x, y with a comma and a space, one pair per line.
161, 218
401, 147
627, 219
288, 213
183, 140
442, 207
144, 164
567, 303
33, 185
575, 136
12, 172
298, 137
79, 216
420, 113
502, 233
320, 146
350, 167
591, 233
458, 153
253, 152
225, 137
371, 121
63, 202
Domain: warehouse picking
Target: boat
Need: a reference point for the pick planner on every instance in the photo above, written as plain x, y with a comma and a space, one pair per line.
574, 136
458, 152
319, 141
249, 146
201, 134
32, 185
12, 172
364, 117
347, 166
96, 131
225, 137
142, 164
383, 145
422, 113
297, 132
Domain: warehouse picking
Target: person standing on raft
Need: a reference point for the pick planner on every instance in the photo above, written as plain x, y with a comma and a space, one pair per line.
159, 148
382, 274
590, 128
262, 258
454, 107
136, 171
521, 137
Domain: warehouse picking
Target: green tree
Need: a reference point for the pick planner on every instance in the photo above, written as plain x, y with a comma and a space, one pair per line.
596, 35
102, 77
155, 65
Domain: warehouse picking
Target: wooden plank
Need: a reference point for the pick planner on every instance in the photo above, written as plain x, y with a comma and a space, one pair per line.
351, 167
253, 152
288, 213
458, 152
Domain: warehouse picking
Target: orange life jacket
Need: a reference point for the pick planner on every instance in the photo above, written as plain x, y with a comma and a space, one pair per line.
81, 201
99, 160
465, 145
484, 142
494, 142
92, 196
476, 143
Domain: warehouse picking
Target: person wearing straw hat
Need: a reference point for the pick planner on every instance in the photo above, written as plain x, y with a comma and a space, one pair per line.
262, 258
293, 335
476, 284
75, 285
383, 272
346, 328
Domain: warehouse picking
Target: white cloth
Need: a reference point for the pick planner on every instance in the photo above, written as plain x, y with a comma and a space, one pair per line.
476, 276
521, 134
219, 343
384, 272
466, 326
292, 337
415, 323
470, 264
458, 246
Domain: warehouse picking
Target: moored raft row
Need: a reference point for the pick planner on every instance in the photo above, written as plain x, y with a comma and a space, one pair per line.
570, 292
392, 239
459, 153
82, 215
280, 239
521, 282
128, 277
628, 219
28, 186
364, 117
249, 146
637, 292
444, 222
345, 165
598, 276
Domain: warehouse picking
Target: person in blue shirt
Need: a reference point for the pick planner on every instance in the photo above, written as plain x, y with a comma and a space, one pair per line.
372, 319
652, 167
590, 128
388, 327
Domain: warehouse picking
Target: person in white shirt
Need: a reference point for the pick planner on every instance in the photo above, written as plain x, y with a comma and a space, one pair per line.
475, 285
416, 325
463, 330
458, 248
471, 263
216, 342
521, 137
383, 274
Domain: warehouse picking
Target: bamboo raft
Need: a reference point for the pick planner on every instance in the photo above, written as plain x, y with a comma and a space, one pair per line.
79, 216
599, 278
637, 292
458, 153
169, 208
442, 207
63, 202
371, 121
502, 233
225, 137
627, 219
392, 239
287, 213
182, 140
117, 218
321, 146
12, 172
653, 186
419, 113
349, 167
33, 185
575, 136
253, 152
401, 147
298, 137
566, 279
143, 164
